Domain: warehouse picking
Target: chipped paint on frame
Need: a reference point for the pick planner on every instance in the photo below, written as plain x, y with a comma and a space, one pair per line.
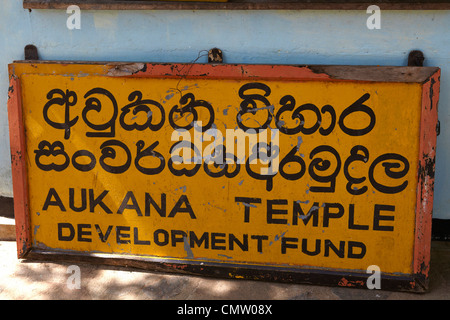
425, 173
18, 167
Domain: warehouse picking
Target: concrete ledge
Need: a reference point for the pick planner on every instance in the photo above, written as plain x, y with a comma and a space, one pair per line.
48, 280
7, 229
7, 222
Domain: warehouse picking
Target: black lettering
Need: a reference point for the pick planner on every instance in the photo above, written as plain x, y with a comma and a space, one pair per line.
108, 152
355, 107
356, 244
216, 239
355, 156
165, 235
259, 239
232, 239
82, 233
258, 154
298, 212
104, 237
249, 105
339, 252
93, 202
121, 236
61, 236
185, 146
287, 104
49, 202
94, 104
388, 165
247, 202
219, 158
194, 240
190, 106
137, 240
328, 109
177, 236
83, 167
271, 211
322, 165
143, 106
67, 99
285, 244
327, 215
292, 157
351, 219
160, 209
133, 206
177, 208
72, 200
305, 247
55, 149
141, 153
377, 217
315, 110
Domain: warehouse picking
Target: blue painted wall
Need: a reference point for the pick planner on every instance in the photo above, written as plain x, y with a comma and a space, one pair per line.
292, 37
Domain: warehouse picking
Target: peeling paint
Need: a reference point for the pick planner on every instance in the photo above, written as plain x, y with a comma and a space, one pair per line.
349, 283
187, 248
125, 69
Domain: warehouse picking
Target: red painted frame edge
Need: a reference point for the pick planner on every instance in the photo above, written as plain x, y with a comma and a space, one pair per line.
425, 174
18, 166
221, 71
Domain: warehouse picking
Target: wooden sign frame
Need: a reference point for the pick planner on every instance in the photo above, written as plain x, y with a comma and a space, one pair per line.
427, 77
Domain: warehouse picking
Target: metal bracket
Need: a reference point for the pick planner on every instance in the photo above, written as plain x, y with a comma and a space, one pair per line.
215, 56
31, 52
415, 58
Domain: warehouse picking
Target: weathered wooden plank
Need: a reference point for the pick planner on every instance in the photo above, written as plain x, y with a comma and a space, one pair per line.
236, 5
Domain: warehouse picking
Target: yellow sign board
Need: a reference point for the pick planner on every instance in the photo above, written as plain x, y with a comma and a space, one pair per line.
288, 169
